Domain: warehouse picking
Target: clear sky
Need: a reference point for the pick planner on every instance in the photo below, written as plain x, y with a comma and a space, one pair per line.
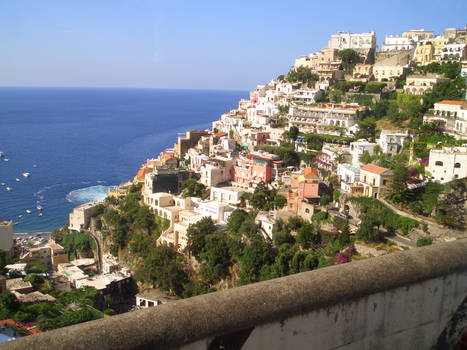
189, 44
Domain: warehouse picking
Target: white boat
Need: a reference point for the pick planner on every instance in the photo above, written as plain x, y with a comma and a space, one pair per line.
28, 211
40, 214
17, 180
5, 159
8, 188
39, 208
20, 216
2, 183
34, 166
2, 154
26, 174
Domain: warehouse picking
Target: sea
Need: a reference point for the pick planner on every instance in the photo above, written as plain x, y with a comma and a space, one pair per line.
76, 143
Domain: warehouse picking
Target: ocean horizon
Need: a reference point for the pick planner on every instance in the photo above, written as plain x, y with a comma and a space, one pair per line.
77, 142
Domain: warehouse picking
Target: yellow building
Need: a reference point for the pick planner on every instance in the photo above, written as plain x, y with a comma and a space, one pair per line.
424, 54
374, 180
438, 45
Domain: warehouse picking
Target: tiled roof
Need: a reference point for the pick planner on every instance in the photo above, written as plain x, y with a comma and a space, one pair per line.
311, 172
452, 102
373, 168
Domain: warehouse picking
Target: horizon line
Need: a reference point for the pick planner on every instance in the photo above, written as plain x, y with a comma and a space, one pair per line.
115, 87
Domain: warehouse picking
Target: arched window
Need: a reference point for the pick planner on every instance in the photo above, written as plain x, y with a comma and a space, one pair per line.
439, 163
457, 165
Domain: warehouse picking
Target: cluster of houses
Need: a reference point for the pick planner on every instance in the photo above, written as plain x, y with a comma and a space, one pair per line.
227, 161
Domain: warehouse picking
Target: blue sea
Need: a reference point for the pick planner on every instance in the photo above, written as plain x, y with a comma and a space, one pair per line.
77, 142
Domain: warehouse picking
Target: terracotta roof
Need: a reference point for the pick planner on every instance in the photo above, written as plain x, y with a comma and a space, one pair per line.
141, 174
311, 172
372, 168
220, 134
452, 102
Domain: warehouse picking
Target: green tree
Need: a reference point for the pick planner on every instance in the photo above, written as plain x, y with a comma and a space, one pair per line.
325, 199
306, 236
367, 230
293, 133
192, 188
349, 59
197, 234
236, 219
399, 182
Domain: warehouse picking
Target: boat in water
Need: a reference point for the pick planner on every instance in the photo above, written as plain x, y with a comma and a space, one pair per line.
5, 159
2, 154
17, 180
40, 214
8, 188
34, 165
2, 183
28, 211
26, 175
39, 208
20, 216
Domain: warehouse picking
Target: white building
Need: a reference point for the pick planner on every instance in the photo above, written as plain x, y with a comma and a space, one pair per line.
307, 96
328, 118
216, 171
454, 116
215, 210
6, 235
348, 175
357, 148
392, 141
227, 194
454, 52
396, 42
343, 40
448, 164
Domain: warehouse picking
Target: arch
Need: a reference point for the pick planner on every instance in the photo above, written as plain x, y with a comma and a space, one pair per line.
457, 165
439, 163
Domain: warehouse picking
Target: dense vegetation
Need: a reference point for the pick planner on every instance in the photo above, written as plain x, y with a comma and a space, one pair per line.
374, 215
75, 306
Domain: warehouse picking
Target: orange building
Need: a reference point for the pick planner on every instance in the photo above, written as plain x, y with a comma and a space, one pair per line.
304, 188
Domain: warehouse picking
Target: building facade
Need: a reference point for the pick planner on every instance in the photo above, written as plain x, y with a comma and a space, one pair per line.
448, 164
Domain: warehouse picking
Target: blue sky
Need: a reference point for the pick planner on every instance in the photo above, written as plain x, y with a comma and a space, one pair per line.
188, 44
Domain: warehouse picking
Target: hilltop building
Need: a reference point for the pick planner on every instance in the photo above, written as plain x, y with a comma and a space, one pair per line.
346, 40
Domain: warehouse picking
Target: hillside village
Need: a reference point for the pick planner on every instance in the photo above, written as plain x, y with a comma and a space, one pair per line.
351, 154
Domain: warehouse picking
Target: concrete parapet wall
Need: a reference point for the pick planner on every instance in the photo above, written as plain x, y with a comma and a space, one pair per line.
397, 301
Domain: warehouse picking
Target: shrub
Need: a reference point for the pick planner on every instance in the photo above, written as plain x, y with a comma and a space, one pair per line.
424, 241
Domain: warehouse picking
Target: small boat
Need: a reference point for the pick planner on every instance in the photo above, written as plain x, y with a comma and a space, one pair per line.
17, 180
16, 223
39, 208
26, 175
34, 166
2, 154
40, 214
2, 183
20, 216
8, 188
28, 211
5, 159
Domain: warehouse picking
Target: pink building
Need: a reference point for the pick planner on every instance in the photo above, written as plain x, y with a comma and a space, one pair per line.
256, 167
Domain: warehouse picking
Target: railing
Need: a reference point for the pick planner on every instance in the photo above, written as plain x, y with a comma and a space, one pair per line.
401, 300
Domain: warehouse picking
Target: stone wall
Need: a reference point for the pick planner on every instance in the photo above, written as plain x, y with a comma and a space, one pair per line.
398, 301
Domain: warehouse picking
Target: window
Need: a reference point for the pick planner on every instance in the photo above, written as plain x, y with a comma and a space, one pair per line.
457, 165
439, 163
384, 182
